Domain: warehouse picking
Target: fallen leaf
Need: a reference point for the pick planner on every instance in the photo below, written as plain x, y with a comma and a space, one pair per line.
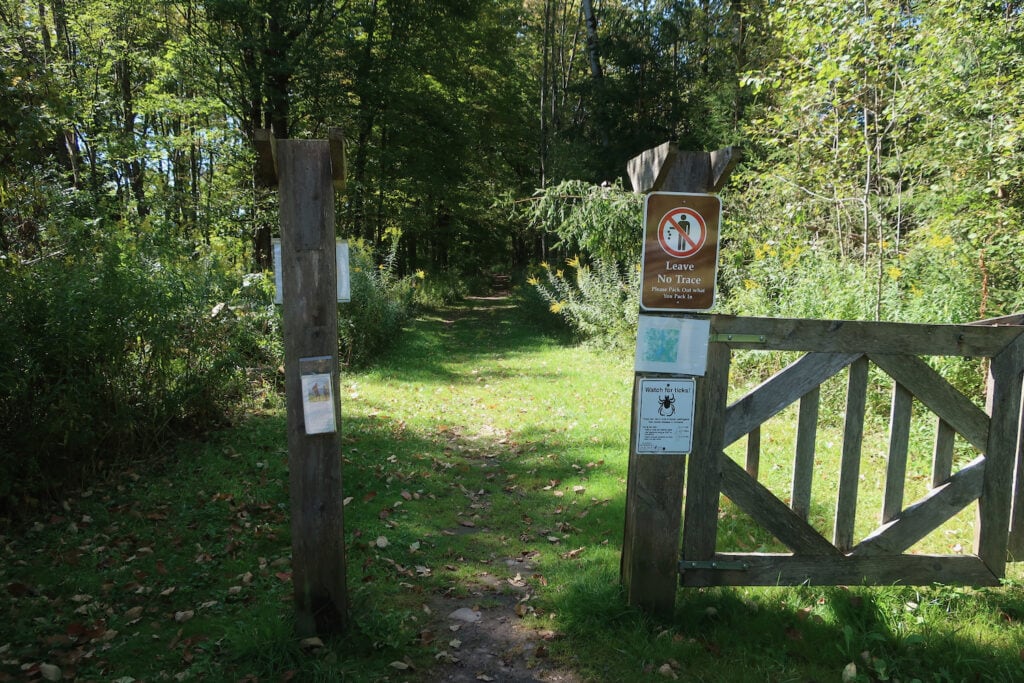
455, 643
483, 677
313, 643
381, 542
182, 617
133, 613
666, 671
50, 672
849, 673
579, 489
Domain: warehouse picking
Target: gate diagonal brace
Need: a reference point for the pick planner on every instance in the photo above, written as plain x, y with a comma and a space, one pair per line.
713, 564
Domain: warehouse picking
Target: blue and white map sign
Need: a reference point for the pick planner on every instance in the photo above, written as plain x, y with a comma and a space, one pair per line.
677, 346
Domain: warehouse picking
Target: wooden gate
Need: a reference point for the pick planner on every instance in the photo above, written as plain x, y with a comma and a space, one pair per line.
995, 478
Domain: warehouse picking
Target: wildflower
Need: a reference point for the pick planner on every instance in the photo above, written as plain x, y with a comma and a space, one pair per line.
559, 273
556, 306
574, 262
420, 275
544, 265
532, 281
894, 272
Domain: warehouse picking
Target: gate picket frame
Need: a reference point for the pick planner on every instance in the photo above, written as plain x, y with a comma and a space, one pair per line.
993, 479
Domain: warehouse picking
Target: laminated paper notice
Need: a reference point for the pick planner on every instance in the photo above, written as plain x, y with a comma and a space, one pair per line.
317, 395
666, 416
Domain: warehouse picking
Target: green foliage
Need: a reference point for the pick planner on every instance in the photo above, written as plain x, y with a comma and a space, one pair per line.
109, 348
601, 221
600, 300
380, 306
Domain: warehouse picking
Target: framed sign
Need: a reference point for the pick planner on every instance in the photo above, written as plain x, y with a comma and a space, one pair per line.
665, 412
341, 261
680, 252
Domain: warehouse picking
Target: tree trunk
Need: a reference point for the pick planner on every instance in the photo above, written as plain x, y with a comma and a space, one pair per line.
592, 51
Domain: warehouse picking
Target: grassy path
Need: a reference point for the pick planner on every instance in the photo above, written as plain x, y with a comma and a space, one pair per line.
484, 469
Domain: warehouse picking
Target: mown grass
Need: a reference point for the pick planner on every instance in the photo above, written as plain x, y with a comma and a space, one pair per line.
482, 438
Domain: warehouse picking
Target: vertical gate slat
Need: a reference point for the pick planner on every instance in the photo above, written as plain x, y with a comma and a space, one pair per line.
803, 461
942, 457
899, 440
753, 465
703, 485
1016, 543
849, 470
1004, 406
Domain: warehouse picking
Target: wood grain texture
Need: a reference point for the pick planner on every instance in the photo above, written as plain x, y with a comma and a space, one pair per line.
771, 513
790, 570
849, 466
703, 486
899, 442
310, 325
938, 395
775, 394
942, 453
803, 459
1006, 375
918, 520
846, 336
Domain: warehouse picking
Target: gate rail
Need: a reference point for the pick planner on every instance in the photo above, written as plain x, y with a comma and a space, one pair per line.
995, 479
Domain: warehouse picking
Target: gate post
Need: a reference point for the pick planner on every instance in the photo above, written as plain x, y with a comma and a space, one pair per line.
649, 567
306, 172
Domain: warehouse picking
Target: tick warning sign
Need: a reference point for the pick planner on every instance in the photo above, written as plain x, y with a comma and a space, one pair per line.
666, 416
680, 259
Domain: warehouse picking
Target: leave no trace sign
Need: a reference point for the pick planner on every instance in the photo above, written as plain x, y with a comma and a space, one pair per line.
680, 259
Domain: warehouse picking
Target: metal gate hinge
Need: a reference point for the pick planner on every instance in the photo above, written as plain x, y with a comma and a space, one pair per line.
739, 338
684, 565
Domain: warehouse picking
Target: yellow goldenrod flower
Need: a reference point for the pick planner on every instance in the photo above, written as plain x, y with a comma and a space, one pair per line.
558, 273
532, 281
894, 272
556, 306
574, 262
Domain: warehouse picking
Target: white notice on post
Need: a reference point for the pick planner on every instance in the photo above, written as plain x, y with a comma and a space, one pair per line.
318, 404
666, 416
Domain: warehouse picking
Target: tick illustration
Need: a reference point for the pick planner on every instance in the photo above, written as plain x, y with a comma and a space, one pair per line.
667, 405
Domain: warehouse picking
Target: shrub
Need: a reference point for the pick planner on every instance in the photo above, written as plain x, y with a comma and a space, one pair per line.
600, 302
381, 303
109, 348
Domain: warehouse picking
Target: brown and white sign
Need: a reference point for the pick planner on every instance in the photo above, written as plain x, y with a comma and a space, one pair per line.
680, 255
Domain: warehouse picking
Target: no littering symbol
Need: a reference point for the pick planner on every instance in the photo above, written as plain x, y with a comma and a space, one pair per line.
682, 232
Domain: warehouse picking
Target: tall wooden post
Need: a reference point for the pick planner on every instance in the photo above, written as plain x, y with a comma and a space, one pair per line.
649, 570
306, 176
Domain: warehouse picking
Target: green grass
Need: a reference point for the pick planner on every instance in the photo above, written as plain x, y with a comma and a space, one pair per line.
482, 437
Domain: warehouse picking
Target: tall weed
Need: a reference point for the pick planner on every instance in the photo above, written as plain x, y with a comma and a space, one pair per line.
381, 304
598, 300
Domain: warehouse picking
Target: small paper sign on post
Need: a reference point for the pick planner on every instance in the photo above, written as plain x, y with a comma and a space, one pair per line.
341, 260
666, 416
677, 346
318, 394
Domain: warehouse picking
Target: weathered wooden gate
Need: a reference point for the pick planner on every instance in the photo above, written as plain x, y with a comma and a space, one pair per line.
995, 478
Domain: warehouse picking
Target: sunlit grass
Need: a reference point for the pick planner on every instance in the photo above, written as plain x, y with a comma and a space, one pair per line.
479, 447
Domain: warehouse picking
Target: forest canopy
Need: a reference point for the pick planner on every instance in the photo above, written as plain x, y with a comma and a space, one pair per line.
883, 174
